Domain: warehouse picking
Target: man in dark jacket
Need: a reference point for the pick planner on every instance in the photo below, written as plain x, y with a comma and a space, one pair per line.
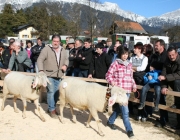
85, 58
159, 57
171, 77
36, 50
4, 57
100, 63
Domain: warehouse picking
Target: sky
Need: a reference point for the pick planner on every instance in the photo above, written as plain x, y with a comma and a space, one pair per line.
147, 8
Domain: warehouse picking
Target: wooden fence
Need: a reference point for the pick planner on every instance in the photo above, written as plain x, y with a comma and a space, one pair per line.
164, 107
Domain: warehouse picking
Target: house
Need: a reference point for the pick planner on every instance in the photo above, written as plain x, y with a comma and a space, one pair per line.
26, 32
127, 28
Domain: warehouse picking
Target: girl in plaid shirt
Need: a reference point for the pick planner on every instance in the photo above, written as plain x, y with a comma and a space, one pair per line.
120, 74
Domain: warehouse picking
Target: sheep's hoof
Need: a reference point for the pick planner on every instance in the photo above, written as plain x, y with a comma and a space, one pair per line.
43, 119
16, 110
87, 125
2, 108
24, 116
101, 134
62, 120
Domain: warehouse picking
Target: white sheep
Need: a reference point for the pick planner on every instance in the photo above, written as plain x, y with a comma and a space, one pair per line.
92, 96
24, 87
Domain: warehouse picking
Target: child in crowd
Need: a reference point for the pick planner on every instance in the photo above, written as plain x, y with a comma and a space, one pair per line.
120, 74
151, 81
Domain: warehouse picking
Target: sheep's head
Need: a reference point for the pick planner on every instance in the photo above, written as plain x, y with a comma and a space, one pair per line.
40, 80
118, 95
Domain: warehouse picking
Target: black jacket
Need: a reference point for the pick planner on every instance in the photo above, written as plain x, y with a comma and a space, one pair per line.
5, 57
36, 51
100, 65
87, 54
159, 59
171, 71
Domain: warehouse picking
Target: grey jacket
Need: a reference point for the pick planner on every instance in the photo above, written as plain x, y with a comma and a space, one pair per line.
22, 57
47, 61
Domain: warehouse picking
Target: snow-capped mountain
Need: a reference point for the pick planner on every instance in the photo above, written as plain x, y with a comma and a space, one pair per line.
171, 18
106, 6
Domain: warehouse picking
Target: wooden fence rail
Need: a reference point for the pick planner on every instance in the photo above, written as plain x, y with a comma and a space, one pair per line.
163, 107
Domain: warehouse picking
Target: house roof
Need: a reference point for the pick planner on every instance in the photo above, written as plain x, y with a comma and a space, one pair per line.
22, 27
134, 27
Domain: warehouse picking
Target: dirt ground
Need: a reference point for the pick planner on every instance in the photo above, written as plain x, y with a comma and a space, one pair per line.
14, 127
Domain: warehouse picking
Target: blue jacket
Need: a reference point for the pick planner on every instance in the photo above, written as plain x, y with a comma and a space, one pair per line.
154, 74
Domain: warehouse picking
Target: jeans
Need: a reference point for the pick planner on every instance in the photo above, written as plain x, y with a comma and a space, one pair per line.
1, 65
75, 72
146, 88
83, 73
36, 67
125, 115
53, 92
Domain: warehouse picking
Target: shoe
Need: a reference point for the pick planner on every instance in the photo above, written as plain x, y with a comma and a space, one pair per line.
141, 106
112, 126
173, 106
138, 118
159, 125
176, 127
130, 134
53, 114
156, 109
144, 119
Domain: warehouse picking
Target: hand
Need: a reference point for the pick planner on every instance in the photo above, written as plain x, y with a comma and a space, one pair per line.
83, 58
112, 84
134, 90
3, 70
17, 51
164, 91
7, 71
90, 76
80, 55
64, 67
161, 78
150, 77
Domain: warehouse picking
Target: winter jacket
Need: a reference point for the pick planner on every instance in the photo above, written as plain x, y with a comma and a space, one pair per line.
5, 57
159, 59
120, 72
86, 53
100, 65
47, 61
36, 52
154, 74
22, 57
171, 71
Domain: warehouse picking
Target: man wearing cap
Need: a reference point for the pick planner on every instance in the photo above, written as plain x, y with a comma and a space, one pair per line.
100, 63
70, 48
4, 57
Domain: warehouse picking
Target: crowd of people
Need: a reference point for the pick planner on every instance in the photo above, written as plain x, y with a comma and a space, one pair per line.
147, 65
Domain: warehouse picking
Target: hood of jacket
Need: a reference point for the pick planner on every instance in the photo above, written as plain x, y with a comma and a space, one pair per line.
123, 62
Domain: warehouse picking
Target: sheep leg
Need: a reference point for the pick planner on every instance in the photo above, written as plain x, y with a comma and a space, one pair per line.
15, 106
61, 107
98, 121
25, 105
72, 113
3, 101
36, 102
89, 120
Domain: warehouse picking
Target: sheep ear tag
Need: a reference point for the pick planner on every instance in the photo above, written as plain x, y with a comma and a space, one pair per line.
64, 85
112, 100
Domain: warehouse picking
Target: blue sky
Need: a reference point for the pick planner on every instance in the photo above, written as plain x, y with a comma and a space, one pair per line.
147, 8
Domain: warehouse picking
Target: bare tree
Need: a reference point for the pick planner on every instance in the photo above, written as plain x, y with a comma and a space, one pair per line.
91, 17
